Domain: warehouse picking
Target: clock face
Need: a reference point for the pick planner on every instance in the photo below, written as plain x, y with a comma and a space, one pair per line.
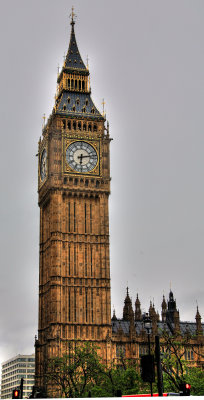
81, 157
43, 165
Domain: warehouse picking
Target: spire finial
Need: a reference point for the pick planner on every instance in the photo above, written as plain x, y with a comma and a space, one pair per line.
72, 15
87, 62
103, 103
44, 118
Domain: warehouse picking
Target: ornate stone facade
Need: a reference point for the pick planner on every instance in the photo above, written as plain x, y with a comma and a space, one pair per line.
74, 187
74, 276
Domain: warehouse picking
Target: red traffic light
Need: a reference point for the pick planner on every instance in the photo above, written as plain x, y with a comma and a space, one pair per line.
188, 386
16, 394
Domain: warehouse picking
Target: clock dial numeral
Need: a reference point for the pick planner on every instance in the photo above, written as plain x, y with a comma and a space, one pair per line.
81, 157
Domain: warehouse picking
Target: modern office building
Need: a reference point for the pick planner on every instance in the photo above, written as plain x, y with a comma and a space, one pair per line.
20, 366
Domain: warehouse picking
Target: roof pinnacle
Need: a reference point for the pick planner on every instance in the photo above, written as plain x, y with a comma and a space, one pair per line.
72, 15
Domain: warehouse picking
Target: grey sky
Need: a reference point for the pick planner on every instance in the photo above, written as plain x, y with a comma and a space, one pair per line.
146, 59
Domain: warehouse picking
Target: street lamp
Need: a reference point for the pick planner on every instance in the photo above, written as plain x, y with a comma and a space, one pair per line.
148, 326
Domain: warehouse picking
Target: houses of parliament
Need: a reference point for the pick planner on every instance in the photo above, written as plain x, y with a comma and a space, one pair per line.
74, 270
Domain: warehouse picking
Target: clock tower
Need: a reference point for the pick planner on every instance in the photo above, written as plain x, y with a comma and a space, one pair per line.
73, 187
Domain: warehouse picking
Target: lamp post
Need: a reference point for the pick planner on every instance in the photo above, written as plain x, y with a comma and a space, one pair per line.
148, 326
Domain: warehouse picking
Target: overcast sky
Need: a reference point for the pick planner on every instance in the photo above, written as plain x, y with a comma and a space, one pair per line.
146, 59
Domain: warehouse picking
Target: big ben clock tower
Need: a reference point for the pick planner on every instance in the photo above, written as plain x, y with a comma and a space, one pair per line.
74, 187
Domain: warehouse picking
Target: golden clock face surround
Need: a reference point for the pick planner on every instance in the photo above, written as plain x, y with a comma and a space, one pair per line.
94, 144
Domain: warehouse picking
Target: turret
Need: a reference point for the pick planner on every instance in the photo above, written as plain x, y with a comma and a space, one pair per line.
164, 308
170, 313
114, 318
138, 314
153, 317
128, 313
199, 330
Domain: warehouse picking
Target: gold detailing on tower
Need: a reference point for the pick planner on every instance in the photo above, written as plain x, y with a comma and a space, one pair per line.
72, 16
103, 104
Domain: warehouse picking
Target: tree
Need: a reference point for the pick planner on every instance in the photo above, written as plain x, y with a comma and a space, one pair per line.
76, 372
79, 372
176, 369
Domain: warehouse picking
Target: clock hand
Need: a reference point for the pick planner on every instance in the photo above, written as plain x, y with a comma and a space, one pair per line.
80, 158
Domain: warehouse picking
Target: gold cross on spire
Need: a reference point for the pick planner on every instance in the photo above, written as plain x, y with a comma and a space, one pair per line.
73, 16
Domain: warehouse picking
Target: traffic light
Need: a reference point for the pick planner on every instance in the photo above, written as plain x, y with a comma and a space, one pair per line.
16, 394
185, 389
147, 368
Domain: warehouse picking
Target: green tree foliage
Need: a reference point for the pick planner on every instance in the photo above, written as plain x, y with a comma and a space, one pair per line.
195, 377
81, 373
75, 373
176, 369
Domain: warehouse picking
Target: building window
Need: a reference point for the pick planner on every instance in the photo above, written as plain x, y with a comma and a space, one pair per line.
91, 261
120, 350
85, 217
85, 256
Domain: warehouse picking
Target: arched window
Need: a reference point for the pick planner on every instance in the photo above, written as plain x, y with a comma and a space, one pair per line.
84, 109
68, 100
79, 126
75, 84
72, 83
64, 108
79, 85
83, 85
77, 101
84, 127
92, 111
74, 125
97, 184
64, 124
89, 128
86, 102
73, 108
69, 125
86, 182
95, 128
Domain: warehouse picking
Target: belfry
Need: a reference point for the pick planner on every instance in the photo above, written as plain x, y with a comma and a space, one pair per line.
73, 187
